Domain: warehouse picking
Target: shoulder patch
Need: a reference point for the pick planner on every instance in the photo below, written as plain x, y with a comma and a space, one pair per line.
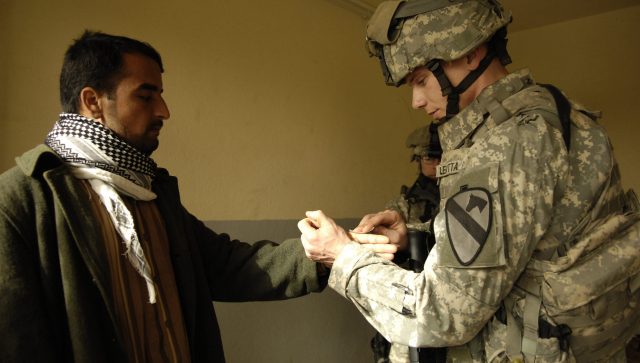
468, 219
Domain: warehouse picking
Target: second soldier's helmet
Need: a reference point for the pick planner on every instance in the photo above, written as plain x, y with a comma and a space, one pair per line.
424, 142
405, 35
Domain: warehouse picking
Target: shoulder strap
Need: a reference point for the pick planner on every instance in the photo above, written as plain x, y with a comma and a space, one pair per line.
500, 114
564, 112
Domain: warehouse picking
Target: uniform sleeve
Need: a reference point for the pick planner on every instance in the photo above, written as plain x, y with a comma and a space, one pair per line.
400, 205
517, 166
410, 212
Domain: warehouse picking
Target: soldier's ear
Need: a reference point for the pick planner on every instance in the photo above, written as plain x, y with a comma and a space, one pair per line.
474, 57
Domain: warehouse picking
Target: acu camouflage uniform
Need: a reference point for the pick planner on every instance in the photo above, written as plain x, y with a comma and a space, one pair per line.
417, 204
541, 203
415, 210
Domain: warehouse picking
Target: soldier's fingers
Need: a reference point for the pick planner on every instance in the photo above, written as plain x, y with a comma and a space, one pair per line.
378, 248
368, 238
386, 218
367, 223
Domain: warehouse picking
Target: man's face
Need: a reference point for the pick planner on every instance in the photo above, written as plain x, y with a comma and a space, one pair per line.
135, 110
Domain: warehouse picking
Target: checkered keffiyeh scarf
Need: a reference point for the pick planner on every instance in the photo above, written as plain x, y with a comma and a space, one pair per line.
111, 166
80, 140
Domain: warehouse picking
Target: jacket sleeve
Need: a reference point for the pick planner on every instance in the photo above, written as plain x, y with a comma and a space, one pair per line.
264, 270
448, 303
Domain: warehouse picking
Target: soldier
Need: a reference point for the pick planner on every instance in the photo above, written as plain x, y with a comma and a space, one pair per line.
537, 246
417, 205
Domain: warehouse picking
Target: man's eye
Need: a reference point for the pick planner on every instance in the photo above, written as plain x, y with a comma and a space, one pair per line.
145, 98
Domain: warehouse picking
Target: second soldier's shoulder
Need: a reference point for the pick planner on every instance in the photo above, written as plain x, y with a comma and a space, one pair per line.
400, 205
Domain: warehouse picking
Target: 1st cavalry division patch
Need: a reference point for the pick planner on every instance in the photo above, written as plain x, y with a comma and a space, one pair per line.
468, 215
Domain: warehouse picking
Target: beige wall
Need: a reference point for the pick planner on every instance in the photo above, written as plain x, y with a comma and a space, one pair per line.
277, 109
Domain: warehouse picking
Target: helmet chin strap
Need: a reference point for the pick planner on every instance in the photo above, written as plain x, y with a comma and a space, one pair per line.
453, 93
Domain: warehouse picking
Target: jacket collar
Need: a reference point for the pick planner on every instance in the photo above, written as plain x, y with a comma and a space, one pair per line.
38, 160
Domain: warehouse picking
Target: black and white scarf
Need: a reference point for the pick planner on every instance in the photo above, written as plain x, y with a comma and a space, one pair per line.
111, 166
83, 141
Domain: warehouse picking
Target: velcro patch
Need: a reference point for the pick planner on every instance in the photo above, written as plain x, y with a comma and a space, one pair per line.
468, 218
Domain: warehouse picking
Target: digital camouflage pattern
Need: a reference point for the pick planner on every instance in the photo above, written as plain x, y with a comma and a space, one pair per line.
418, 141
545, 202
412, 210
447, 33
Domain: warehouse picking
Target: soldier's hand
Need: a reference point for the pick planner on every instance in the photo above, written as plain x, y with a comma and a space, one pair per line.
388, 223
379, 244
323, 240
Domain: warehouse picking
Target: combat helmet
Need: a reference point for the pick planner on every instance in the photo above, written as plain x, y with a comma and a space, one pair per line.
405, 35
424, 141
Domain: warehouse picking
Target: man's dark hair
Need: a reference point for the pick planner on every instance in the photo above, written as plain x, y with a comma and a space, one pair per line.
95, 60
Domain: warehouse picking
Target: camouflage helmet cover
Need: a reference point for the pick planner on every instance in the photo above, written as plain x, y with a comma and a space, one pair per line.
421, 143
448, 32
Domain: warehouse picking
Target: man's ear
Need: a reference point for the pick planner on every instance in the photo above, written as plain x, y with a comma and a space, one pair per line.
90, 103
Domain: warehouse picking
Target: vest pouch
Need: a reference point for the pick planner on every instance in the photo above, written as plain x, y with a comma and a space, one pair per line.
494, 346
594, 288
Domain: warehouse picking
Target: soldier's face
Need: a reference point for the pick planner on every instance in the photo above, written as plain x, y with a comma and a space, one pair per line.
428, 166
427, 93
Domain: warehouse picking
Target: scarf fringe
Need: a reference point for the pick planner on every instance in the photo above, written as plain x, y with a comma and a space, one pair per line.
123, 221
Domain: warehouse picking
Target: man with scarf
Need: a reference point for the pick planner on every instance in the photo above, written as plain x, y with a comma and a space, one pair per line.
99, 260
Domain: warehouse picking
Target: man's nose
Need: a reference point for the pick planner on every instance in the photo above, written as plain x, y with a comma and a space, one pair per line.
163, 110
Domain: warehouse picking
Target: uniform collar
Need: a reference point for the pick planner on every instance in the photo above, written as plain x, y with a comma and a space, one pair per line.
454, 131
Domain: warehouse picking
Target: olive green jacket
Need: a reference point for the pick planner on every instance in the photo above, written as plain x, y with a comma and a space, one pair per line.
55, 302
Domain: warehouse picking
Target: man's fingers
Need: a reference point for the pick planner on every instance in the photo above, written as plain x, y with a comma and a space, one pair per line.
317, 217
306, 226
